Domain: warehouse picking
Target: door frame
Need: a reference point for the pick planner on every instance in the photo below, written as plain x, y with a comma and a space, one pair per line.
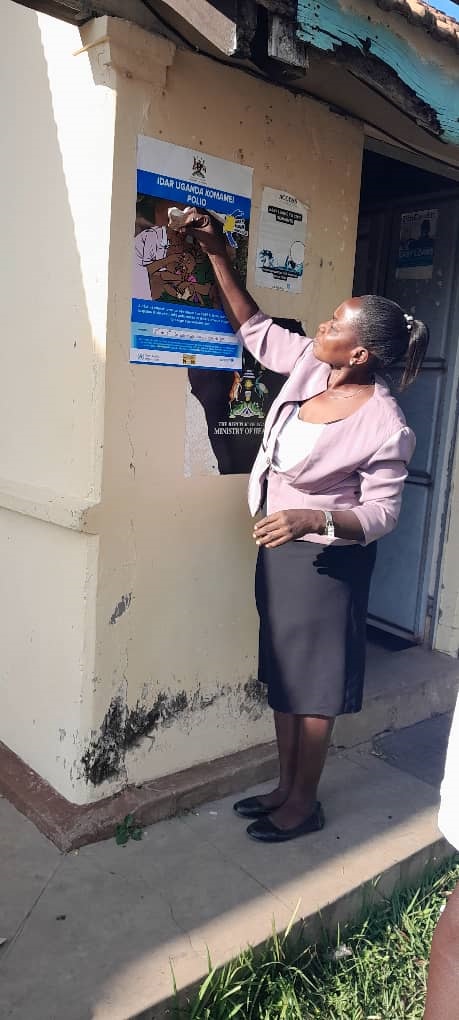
428, 596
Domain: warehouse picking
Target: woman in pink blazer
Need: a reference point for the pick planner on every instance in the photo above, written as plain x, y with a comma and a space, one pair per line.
331, 469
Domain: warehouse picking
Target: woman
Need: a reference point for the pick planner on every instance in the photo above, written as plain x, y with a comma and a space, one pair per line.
333, 463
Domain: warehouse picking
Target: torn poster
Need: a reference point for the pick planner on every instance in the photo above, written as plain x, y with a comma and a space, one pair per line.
226, 414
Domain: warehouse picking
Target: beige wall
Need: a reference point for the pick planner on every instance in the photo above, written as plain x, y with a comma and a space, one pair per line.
127, 594
55, 194
183, 547
47, 642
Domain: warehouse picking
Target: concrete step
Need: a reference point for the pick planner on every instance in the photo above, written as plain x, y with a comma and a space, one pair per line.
94, 934
403, 686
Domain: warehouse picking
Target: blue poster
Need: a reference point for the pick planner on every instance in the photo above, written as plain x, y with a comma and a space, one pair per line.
177, 318
417, 245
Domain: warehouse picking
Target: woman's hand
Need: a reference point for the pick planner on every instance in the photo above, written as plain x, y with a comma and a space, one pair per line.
206, 230
286, 525
236, 301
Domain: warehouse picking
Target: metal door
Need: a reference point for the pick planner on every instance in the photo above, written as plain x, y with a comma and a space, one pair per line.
399, 599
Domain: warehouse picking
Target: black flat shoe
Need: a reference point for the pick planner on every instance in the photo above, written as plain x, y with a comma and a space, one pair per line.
265, 831
251, 807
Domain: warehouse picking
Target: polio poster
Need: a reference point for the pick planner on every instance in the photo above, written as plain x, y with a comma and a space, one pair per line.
417, 245
177, 318
281, 242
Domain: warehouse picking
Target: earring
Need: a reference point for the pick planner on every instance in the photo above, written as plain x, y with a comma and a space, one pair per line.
352, 362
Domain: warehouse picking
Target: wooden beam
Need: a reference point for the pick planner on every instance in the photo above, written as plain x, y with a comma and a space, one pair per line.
284, 44
387, 59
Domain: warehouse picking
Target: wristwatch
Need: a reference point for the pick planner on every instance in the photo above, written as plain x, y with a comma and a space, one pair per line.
329, 524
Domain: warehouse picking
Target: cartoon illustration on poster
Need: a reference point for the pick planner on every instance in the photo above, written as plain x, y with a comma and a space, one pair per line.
226, 413
417, 245
177, 318
281, 242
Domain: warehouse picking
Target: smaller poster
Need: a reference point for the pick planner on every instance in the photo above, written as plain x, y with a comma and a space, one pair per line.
417, 245
281, 242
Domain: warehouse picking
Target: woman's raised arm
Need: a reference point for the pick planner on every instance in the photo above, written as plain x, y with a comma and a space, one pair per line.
273, 346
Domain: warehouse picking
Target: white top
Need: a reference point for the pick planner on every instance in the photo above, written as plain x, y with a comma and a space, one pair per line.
149, 246
295, 442
449, 811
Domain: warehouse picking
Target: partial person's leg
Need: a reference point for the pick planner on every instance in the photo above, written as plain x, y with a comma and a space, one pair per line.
287, 734
443, 984
314, 733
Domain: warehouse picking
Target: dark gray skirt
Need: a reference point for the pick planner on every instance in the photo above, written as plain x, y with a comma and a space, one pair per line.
312, 602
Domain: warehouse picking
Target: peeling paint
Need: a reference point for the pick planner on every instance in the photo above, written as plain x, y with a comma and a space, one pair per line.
121, 607
329, 26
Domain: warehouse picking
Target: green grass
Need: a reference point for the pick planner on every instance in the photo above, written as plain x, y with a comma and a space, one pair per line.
374, 969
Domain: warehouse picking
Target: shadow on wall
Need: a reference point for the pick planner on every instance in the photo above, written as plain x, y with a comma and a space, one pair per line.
51, 375
48, 401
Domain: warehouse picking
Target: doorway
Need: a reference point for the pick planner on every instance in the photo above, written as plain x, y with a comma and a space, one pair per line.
407, 250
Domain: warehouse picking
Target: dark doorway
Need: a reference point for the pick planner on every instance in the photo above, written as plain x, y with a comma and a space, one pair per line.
407, 250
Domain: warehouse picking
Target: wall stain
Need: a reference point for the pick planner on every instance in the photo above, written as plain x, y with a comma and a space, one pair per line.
255, 690
141, 722
256, 698
124, 728
120, 608
103, 758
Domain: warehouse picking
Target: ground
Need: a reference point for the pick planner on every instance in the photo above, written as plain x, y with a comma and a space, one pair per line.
93, 934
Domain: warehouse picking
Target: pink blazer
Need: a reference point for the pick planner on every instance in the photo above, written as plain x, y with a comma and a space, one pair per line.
359, 463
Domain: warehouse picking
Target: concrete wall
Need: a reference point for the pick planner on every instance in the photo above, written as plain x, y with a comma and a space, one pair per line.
176, 625
56, 173
128, 627
128, 632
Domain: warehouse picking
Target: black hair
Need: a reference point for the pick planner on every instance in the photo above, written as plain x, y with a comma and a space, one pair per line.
390, 335
146, 207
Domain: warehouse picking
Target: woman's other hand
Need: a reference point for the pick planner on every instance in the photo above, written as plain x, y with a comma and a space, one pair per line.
286, 526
